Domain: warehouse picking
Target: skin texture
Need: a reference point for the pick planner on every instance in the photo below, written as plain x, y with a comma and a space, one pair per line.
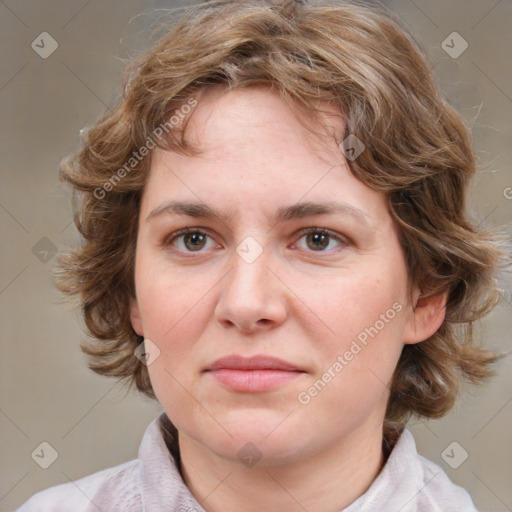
301, 300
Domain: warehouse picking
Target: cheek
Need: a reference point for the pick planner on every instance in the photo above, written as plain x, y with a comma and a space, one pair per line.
170, 299
174, 314
174, 310
353, 302
366, 318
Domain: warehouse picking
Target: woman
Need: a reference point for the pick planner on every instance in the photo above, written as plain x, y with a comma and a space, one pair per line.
276, 248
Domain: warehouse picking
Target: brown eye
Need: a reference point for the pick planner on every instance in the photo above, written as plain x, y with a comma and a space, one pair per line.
189, 240
320, 240
317, 241
194, 241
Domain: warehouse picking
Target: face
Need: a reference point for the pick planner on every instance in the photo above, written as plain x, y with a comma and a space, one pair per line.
323, 287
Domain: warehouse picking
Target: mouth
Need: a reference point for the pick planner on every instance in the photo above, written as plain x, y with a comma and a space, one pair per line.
253, 374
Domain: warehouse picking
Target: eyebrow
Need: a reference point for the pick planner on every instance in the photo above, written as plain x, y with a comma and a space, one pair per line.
294, 211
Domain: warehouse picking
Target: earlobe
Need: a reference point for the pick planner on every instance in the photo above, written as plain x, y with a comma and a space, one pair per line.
426, 317
135, 317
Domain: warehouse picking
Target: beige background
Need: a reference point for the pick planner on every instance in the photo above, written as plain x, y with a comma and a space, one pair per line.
47, 393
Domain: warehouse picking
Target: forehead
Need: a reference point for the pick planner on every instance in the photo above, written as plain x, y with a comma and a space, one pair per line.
224, 116
255, 153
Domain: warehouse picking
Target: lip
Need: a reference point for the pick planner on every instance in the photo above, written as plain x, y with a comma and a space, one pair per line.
253, 374
258, 362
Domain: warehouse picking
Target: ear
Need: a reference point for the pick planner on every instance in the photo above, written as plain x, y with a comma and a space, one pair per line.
135, 317
426, 317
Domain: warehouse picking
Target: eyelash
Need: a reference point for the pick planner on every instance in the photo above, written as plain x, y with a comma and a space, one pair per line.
343, 241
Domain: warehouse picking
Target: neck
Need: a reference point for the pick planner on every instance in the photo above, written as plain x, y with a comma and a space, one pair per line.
329, 480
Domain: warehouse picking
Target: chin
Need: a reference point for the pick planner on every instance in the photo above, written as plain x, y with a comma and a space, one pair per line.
259, 452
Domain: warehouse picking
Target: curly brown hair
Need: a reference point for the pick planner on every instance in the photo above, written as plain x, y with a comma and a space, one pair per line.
418, 153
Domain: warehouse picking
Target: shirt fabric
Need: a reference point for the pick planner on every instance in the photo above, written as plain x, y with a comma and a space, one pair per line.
153, 483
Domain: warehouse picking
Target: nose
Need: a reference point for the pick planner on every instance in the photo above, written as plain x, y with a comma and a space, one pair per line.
253, 298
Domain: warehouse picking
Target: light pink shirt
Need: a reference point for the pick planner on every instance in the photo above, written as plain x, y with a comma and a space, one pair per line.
152, 483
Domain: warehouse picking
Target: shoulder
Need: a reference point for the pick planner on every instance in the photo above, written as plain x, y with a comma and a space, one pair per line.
127, 487
435, 492
411, 483
91, 492
439, 492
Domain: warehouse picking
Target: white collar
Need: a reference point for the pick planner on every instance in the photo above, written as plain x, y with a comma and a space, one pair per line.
407, 482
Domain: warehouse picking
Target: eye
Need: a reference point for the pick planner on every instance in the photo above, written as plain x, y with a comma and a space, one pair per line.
188, 240
318, 239
191, 240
